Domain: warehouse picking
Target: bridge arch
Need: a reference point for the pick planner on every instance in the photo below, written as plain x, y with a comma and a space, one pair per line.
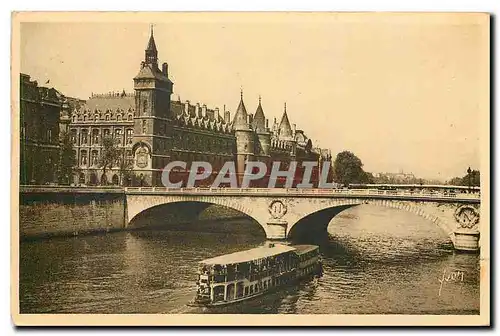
325, 211
187, 206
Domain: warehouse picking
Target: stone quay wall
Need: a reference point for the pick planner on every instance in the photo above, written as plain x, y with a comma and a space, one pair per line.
45, 214
70, 212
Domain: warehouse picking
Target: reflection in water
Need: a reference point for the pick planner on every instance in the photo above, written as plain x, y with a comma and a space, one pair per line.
375, 260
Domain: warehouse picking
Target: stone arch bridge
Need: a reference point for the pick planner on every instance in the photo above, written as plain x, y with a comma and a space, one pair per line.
285, 212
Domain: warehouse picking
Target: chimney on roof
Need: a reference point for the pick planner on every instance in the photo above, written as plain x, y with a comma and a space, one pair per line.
186, 107
216, 114
164, 69
197, 110
294, 129
204, 111
227, 117
250, 119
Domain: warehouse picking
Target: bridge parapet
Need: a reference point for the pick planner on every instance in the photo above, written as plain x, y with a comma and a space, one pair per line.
431, 195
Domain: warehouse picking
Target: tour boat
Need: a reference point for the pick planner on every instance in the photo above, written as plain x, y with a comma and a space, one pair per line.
246, 274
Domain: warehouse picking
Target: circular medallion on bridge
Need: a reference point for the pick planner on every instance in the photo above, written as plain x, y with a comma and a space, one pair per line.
277, 209
467, 216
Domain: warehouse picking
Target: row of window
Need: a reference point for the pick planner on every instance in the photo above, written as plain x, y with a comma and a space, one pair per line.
83, 160
45, 136
264, 285
198, 142
95, 137
107, 117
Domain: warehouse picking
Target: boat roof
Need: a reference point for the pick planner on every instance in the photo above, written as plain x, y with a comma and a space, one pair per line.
301, 249
248, 255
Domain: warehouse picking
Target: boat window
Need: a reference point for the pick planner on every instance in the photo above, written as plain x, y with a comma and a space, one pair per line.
246, 290
218, 293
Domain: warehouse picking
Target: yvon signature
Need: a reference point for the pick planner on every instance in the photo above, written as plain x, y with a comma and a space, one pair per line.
454, 276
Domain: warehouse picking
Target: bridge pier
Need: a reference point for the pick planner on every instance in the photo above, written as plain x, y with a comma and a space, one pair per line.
466, 241
276, 230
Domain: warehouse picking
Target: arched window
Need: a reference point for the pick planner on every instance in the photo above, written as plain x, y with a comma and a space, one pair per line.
93, 179
84, 137
130, 117
94, 158
83, 157
95, 136
118, 135
130, 134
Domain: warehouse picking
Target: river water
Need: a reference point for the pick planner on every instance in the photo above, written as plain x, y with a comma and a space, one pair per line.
376, 261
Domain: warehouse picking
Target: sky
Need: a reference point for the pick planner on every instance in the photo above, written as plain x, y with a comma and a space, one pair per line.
403, 92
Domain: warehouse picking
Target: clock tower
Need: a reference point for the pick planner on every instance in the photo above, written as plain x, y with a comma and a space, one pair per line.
152, 118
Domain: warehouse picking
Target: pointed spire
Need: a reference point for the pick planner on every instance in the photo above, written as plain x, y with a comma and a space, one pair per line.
259, 119
151, 53
285, 130
240, 121
151, 43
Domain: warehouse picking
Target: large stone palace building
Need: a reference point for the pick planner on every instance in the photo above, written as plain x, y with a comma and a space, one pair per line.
40, 109
151, 130
44, 115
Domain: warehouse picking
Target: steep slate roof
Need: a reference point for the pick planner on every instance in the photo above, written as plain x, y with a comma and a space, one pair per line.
285, 130
240, 121
149, 71
176, 107
259, 119
110, 103
151, 43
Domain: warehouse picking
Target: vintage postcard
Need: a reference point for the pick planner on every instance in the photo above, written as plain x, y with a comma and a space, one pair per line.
250, 168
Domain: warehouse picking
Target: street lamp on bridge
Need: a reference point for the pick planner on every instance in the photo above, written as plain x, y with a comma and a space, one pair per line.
469, 171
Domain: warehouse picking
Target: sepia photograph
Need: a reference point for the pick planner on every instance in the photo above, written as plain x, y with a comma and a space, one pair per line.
244, 168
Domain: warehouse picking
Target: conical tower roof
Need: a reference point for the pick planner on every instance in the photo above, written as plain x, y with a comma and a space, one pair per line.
285, 130
259, 119
151, 43
240, 121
